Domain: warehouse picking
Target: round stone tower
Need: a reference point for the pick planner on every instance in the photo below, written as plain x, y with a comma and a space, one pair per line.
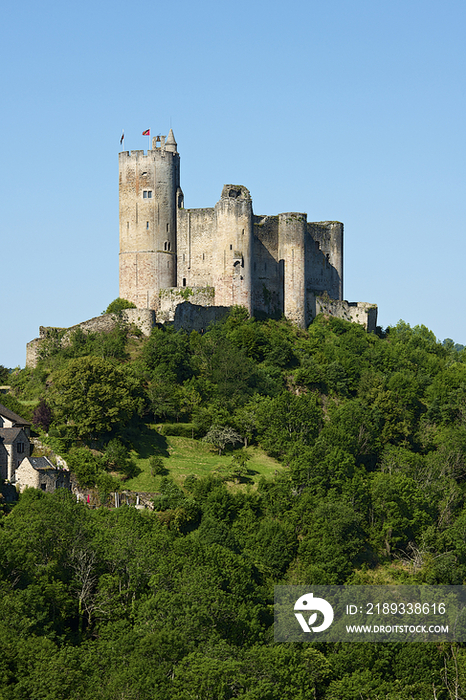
149, 188
232, 248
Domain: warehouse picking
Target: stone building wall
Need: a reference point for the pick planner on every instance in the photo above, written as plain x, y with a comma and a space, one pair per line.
195, 230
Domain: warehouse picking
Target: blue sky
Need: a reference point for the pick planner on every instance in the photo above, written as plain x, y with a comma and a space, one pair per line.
349, 111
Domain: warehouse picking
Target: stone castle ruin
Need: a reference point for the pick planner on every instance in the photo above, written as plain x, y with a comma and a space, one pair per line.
189, 266
224, 255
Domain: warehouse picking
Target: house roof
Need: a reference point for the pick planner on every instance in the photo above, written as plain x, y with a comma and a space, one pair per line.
40, 463
9, 435
11, 415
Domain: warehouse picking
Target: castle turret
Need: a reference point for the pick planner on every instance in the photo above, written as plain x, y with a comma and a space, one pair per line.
149, 187
170, 143
232, 248
292, 229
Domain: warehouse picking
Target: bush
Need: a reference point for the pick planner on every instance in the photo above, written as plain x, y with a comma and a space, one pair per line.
188, 430
118, 305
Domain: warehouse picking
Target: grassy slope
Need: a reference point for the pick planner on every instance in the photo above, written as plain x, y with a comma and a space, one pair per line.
183, 456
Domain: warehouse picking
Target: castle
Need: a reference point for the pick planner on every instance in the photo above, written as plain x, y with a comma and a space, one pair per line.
225, 255
189, 266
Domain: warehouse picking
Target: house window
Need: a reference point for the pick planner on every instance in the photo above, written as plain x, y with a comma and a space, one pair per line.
147, 194
20, 448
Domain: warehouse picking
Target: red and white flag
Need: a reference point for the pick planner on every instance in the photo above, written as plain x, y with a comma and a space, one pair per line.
146, 132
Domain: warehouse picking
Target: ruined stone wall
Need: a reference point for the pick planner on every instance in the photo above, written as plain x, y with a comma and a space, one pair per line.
196, 232
356, 312
170, 299
144, 319
267, 268
324, 258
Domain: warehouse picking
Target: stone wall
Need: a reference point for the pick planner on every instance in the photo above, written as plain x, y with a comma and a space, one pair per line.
195, 230
356, 312
171, 299
144, 319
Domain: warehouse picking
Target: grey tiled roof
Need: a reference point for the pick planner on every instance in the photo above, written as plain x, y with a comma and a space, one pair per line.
41, 463
9, 435
11, 415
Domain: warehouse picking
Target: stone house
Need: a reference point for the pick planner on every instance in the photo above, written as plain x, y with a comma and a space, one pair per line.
40, 473
14, 442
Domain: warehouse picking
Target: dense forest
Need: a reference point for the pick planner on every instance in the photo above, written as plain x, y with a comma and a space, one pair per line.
176, 603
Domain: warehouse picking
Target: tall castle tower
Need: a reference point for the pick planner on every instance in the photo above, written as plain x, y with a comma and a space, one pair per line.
149, 197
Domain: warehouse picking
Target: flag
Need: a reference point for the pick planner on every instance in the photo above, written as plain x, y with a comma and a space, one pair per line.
146, 132
122, 137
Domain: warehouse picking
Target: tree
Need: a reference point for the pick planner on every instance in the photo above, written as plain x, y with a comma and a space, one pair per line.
42, 416
95, 395
156, 465
117, 458
118, 305
222, 435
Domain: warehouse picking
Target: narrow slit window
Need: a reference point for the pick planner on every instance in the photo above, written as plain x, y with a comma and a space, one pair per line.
147, 224
184, 281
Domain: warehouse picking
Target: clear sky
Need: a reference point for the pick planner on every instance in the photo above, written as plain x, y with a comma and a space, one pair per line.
350, 111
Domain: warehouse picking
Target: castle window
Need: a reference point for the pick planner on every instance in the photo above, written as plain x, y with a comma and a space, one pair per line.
203, 256
168, 227
147, 194
183, 257
165, 245
231, 247
242, 232
168, 245
127, 224
168, 264
184, 281
43, 487
147, 224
